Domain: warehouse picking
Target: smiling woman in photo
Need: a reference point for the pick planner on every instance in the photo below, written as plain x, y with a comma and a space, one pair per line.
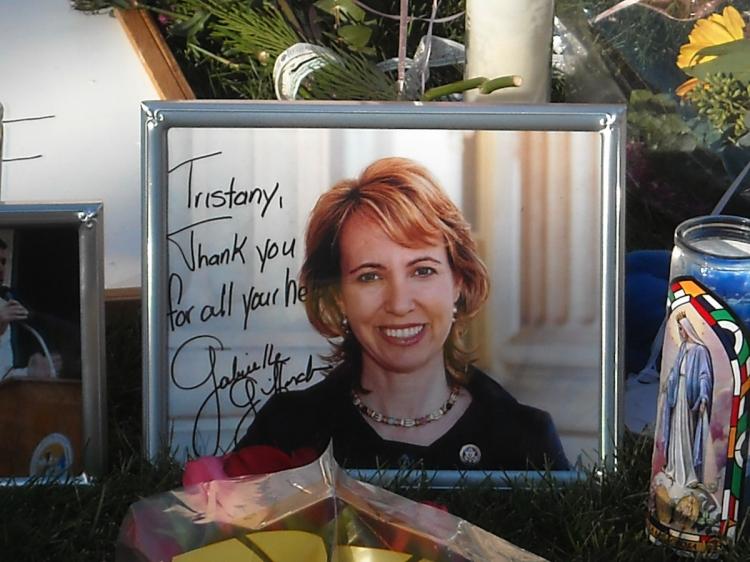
393, 278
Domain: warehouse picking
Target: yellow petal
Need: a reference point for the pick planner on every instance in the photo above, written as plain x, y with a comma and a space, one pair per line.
734, 22
710, 32
686, 86
687, 57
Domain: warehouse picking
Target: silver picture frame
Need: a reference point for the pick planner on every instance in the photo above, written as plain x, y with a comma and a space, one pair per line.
70, 235
165, 125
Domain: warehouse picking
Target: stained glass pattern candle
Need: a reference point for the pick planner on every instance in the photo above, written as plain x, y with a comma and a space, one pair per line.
696, 496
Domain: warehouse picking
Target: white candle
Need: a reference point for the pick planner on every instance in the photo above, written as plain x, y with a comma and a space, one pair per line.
510, 37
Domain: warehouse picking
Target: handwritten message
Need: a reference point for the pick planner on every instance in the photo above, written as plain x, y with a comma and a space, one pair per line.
233, 261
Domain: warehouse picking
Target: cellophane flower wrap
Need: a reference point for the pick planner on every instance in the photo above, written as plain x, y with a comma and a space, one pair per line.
313, 513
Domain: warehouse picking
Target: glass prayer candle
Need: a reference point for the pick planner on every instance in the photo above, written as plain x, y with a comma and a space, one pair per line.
696, 495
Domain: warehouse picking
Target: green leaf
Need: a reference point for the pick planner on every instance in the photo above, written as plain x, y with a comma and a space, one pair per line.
190, 27
738, 46
338, 8
647, 100
731, 58
356, 36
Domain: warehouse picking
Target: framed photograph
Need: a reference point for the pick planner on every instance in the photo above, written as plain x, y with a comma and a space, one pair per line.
52, 382
430, 286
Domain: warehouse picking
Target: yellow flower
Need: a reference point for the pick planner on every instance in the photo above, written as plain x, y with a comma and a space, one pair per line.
713, 30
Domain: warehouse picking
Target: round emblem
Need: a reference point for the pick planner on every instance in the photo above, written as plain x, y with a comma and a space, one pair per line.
52, 457
470, 454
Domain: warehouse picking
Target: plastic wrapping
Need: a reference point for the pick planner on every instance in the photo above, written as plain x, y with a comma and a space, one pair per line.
311, 513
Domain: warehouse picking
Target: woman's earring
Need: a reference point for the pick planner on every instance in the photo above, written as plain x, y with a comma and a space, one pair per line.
345, 325
455, 312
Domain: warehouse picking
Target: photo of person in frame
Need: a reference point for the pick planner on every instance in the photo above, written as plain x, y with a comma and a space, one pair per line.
393, 278
13, 318
39, 332
40, 351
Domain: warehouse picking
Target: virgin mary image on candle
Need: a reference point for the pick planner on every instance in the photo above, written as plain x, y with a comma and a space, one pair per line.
393, 278
687, 407
692, 424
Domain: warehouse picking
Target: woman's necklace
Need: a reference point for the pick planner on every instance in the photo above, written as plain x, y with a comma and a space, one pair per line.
406, 422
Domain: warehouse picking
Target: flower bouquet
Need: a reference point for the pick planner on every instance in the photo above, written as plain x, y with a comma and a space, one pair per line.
313, 513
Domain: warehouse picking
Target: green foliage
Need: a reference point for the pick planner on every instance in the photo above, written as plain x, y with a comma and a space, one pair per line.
725, 102
653, 120
352, 29
190, 26
245, 33
349, 76
357, 37
241, 43
342, 9
227, 48
41, 522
